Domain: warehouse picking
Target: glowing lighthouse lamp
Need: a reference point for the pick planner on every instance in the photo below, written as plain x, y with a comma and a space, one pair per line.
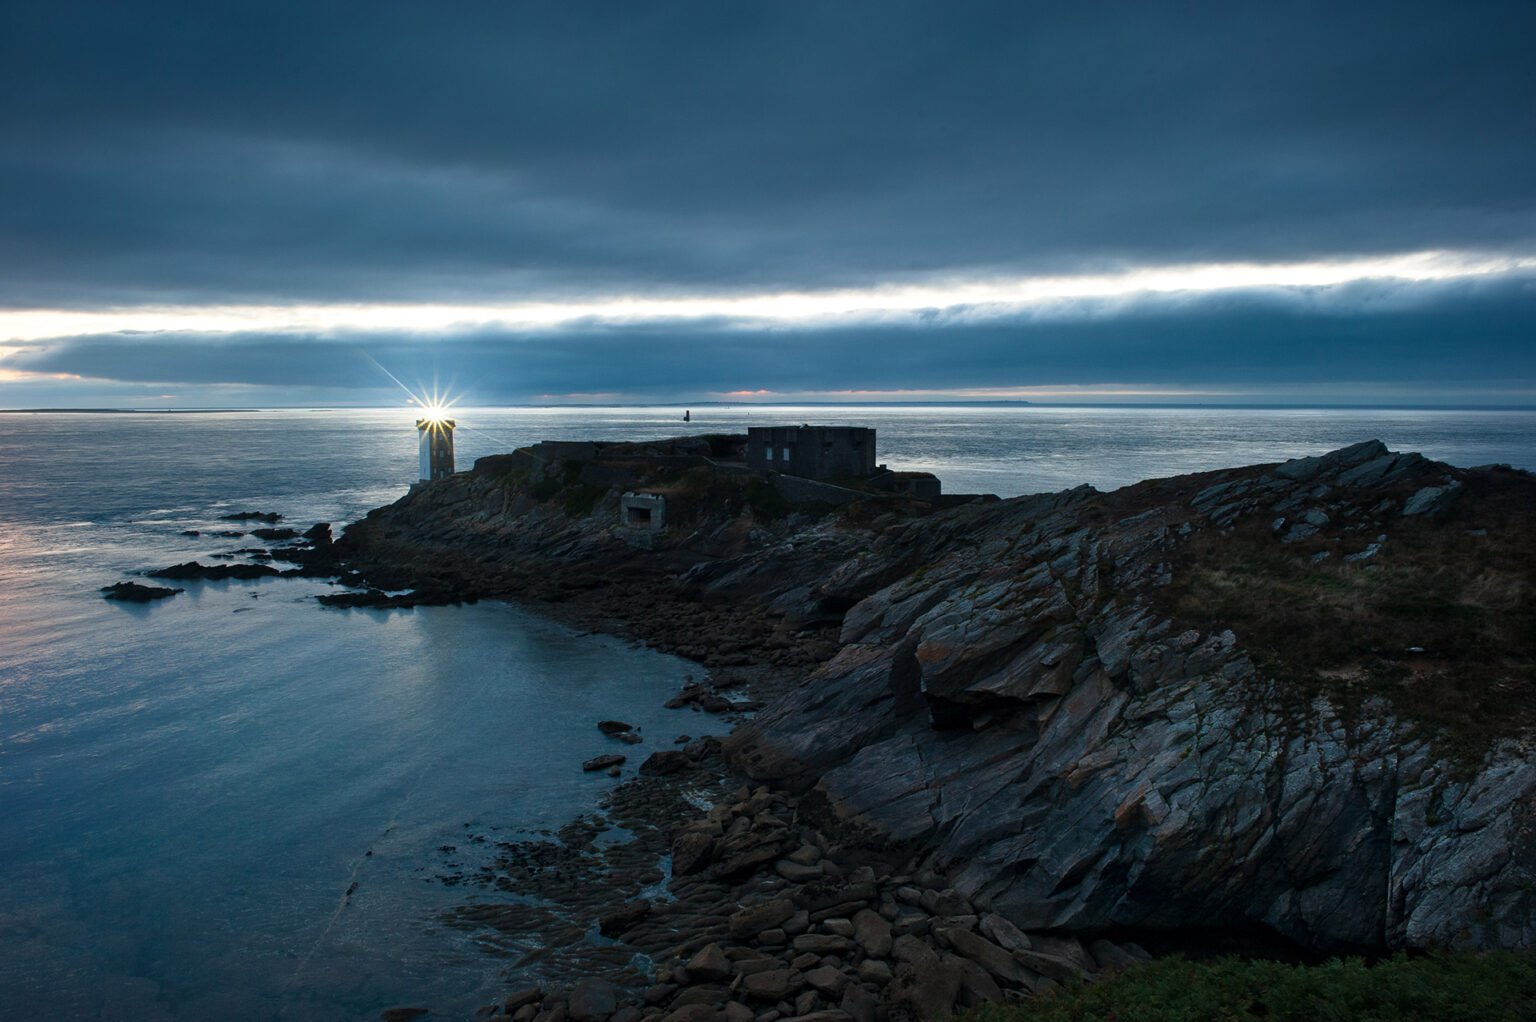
436, 432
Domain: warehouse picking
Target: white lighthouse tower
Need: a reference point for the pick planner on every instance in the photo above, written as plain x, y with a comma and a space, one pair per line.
436, 448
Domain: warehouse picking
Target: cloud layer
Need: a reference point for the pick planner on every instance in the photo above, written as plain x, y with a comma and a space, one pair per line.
278, 153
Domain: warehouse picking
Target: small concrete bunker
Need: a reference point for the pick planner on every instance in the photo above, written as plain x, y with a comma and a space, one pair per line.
645, 512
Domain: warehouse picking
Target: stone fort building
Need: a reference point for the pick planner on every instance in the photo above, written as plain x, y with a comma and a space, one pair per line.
812, 452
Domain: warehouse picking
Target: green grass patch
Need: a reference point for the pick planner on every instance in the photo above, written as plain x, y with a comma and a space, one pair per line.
1462, 987
765, 501
582, 498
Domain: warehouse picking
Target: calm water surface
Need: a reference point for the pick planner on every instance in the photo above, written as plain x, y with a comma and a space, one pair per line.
189, 789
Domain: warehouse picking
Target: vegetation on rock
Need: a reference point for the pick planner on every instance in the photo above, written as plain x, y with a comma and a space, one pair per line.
1492, 987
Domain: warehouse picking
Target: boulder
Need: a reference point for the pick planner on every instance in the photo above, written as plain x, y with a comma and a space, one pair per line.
693, 1013
691, 852
603, 762
755, 919
828, 981
215, 572
527, 995
665, 762
773, 985
592, 1000
921, 983
623, 918
823, 943
873, 933
1003, 933
709, 965
133, 592
983, 952
712, 994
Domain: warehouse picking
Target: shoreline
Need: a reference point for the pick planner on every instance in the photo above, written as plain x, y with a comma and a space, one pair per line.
1043, 628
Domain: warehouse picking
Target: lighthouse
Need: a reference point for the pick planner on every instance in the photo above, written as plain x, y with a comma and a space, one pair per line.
436, 448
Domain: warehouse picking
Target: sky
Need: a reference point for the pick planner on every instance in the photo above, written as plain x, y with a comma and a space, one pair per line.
284, 203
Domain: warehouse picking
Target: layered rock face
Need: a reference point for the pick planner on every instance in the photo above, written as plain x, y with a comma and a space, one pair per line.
1198, 702
1022, 711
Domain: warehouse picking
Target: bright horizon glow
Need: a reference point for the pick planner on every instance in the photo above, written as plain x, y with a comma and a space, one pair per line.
981, 298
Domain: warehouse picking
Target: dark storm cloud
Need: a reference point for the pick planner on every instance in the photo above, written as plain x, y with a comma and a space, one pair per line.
278, 151
1464, 336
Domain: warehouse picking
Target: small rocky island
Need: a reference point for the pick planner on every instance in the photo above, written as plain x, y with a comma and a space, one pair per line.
1008, 743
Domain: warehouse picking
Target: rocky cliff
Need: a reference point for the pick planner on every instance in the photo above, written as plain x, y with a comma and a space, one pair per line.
1295, 698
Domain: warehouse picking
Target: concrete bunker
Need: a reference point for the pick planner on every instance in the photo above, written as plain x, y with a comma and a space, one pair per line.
644, 512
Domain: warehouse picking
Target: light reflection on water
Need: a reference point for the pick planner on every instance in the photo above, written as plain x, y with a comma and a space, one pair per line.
188, 789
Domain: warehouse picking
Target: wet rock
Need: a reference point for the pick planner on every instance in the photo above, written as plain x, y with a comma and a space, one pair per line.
403, 1014
702, 747
603, 762
691, 852
133, 592
623, 918
214, 572
592, 1000
665, 763
270, 517
273, 535
735, 1011
613, 727
528, 995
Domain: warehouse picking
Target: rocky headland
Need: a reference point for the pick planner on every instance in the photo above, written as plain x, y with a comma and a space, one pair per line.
1004, 743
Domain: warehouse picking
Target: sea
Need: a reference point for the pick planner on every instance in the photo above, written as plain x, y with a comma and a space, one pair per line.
236, 803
